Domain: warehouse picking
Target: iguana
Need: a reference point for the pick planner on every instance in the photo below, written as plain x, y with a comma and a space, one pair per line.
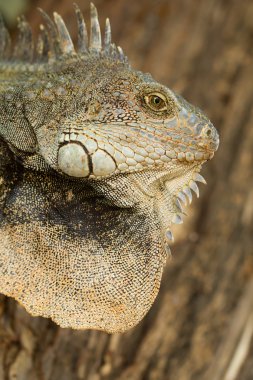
96, 162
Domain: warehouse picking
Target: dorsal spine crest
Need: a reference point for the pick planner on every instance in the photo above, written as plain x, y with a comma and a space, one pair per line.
54, 41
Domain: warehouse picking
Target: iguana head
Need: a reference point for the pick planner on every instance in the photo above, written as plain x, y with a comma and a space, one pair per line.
129, 123
119, 122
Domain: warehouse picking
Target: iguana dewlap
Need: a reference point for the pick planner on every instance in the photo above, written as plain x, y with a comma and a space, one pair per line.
96, 160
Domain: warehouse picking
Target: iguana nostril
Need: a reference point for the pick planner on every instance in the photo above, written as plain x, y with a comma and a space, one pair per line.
208, 136
207, 131
212, 135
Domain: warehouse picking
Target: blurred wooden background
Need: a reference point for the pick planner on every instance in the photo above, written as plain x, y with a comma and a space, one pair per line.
201, 325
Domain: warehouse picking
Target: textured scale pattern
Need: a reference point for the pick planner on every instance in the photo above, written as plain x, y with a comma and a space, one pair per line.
97, 161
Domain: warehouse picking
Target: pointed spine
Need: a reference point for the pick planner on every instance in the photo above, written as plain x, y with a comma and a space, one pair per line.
55, 49
82, 42
167, 250
194, 188
178, 205
65, 41
121, 54
24, 47
187, 191
108, 36
114, 51
177, 219
95, 33
42, 46
169, 235
5, 40
199, 178
182, 197
54, 40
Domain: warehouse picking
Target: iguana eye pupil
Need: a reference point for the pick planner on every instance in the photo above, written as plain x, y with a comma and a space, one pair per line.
157, 102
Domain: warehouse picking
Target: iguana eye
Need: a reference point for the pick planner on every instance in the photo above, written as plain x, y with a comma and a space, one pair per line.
156, 101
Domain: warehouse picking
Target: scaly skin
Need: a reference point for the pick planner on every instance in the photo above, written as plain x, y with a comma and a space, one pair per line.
96, 161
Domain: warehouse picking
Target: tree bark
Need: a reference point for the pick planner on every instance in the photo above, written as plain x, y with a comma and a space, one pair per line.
201, 325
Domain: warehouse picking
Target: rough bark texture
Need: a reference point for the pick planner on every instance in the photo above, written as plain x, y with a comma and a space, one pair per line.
204, 311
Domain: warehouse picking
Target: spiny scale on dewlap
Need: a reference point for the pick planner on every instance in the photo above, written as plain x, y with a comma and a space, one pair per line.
96, 161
